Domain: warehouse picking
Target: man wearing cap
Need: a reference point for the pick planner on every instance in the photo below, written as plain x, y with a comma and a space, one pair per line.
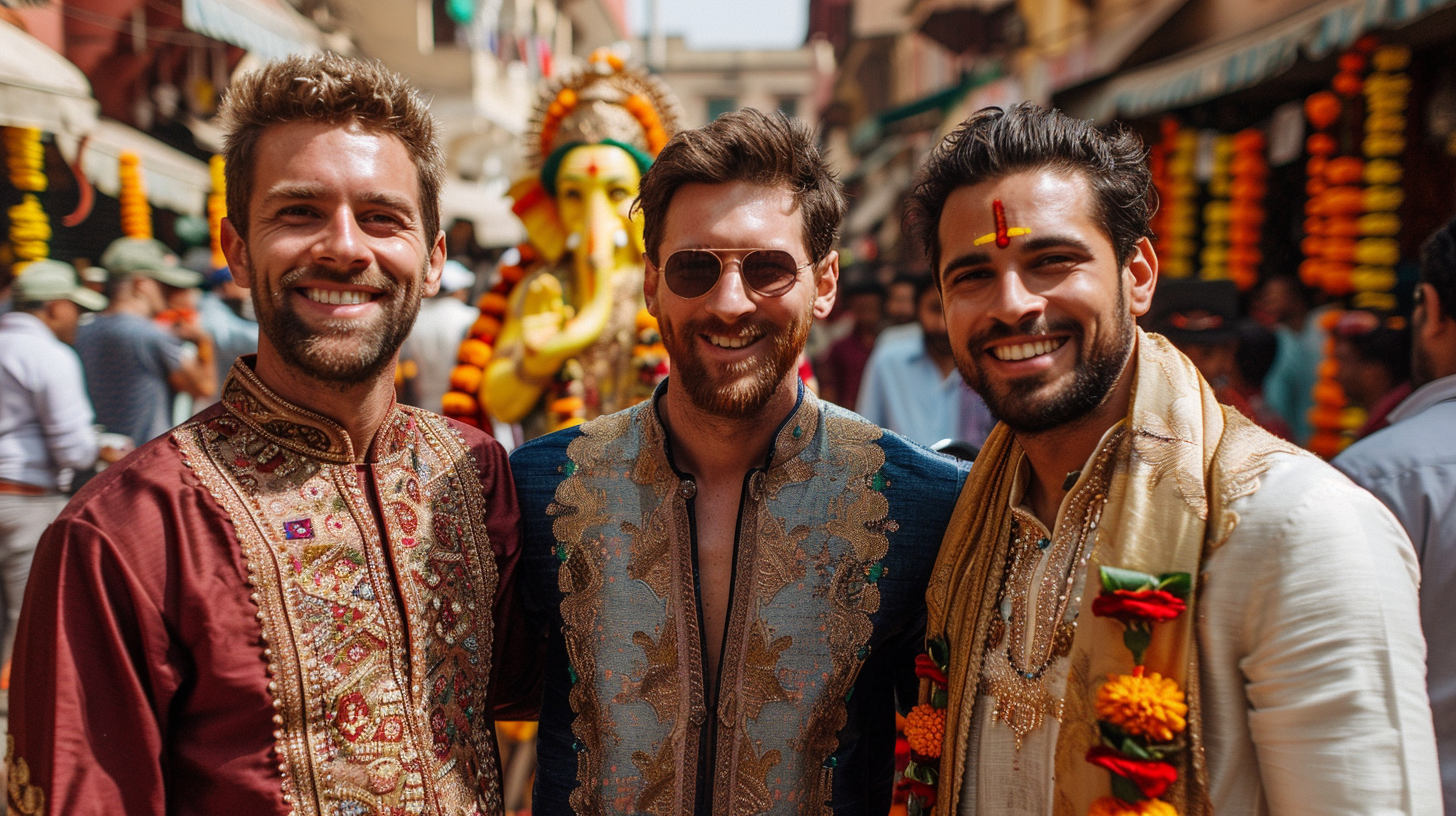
45, 418
133, 366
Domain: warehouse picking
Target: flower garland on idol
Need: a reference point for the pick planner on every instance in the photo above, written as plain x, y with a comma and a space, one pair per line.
1141, 716
30, 229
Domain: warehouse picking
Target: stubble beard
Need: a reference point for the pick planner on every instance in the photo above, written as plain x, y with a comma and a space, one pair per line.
744, 389
338, 353
1021, 404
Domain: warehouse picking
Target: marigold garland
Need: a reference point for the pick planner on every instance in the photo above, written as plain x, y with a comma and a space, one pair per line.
30, 229
925, 730
1177, 250
136, 212
217, 209
1250, 171
1112, 806
1145, 704
1213, 258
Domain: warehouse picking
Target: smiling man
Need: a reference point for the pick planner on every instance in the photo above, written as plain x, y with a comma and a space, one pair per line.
296, 601
1149, 605
732, 575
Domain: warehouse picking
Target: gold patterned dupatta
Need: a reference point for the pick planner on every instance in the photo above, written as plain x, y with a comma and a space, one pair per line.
1184, 461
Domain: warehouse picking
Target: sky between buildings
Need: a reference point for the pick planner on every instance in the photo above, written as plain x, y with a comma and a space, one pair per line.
728, 24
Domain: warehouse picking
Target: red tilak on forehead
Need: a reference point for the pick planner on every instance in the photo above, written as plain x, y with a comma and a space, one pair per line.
1003, 238
591, 169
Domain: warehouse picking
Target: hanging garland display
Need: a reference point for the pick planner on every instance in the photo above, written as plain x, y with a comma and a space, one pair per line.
1250, 172
30, 229
1182, 221
1377, 251
217, 210
1214, 257
136, 213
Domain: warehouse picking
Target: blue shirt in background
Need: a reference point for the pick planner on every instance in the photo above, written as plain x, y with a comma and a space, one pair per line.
128, 359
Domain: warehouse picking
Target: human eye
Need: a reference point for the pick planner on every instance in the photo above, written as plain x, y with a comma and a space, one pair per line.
619, 194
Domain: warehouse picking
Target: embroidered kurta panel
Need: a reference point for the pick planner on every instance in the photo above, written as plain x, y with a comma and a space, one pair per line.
378, 624
812, 536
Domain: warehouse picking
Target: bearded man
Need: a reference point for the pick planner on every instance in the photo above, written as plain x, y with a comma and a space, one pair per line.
1145, 603
731, 574
296, 601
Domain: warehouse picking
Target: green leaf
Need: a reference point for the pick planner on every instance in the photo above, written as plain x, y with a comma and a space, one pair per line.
1177, 584
1137, 639
1126, 790
939, 698
939, 651
1114, 579
913, 808
921, 773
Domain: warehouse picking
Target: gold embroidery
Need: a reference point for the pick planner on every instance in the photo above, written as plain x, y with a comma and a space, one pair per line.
380, 658
752, 794
659, 774
24, 799
1244, 454
659, 682
1167, 445
760, 680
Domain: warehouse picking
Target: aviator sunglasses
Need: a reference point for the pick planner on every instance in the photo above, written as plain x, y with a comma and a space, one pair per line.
692, 273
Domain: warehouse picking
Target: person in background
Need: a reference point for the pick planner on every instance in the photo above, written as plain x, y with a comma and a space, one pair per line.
901, 296
1253, 358
45, 418
1284, 305
910, 382
1373, 352
227, 314
1411, 467
1201, 319
132, 365
842, 367
432, 344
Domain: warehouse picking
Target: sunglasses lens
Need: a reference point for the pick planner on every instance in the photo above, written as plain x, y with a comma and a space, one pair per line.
770, 271
691, 273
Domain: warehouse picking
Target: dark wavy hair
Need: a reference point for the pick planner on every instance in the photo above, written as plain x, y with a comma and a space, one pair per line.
747, 145
1438, 266
331, 89
993, 144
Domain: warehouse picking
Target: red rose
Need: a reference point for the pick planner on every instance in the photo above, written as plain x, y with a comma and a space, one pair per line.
1150, 775
1128, 606
902, 754
925, 667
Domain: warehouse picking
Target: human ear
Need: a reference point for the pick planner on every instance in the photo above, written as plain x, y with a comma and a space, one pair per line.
235, 249
826, 286
1142, 276
649, 286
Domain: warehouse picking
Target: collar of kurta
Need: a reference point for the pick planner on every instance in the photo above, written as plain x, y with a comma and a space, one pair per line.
789, 440
303, 431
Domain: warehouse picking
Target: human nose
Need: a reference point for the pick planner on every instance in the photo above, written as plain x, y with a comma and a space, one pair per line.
1014, 302
341, 243
728, 300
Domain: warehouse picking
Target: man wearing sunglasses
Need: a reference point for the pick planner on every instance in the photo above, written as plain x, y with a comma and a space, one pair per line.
731, 574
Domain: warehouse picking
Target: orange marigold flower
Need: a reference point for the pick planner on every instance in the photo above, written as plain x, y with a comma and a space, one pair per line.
1112, 806
925, 729
1148, 705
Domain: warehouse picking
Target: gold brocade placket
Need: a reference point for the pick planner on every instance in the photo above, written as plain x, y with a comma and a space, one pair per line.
378, 647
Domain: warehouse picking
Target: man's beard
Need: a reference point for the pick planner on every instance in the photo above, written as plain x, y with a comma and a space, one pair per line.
341, 353
1017, 403
744, 388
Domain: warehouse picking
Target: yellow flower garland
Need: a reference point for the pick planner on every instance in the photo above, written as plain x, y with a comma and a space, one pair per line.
1148, 705
136, 213
217, 210
30, 229
1112, 806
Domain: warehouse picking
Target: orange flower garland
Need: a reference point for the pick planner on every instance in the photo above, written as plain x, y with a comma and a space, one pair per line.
1250, 171
1182, 216
461, 401
136, 213
1147, 705
30, 229
925, 730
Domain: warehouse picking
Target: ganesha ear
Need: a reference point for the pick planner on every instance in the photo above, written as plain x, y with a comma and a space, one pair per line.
537, 212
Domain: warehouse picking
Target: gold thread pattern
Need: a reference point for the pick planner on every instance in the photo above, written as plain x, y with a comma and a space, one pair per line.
22, 798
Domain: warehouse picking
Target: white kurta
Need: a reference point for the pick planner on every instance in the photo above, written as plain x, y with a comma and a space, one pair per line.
1312, 666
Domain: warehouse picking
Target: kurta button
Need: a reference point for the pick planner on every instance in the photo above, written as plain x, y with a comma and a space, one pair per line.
755, 486
688, 489
698, 715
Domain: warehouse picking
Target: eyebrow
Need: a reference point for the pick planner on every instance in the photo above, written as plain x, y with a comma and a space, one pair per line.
604, 179
306, 192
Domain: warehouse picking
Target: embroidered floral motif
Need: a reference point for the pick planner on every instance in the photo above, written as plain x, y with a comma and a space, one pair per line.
378, 701
23, 798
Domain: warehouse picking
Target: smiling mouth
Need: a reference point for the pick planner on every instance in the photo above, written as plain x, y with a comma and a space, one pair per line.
725, 342
1026, 351
338, 297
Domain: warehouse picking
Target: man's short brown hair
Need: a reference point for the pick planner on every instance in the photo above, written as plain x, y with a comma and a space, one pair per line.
329, 89
747, 145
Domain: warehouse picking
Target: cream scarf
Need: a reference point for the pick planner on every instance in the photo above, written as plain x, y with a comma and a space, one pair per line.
1181, 466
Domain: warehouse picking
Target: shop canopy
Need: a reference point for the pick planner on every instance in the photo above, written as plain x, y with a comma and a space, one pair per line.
1243, 62
40, 88
269, 28
173, 180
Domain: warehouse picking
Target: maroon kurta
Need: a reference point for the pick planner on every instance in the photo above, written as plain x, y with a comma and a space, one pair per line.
238, 618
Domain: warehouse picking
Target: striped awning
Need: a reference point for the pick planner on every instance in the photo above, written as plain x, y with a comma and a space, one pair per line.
269, 28
1243, 62
173, 180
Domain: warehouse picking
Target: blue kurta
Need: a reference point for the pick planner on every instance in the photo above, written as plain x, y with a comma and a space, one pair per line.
836, 539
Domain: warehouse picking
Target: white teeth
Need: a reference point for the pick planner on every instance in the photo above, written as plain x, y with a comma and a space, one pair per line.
335, 297
730, 342
1026, 350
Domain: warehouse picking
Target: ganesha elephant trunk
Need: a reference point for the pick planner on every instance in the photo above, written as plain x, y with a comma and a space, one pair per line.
601, 253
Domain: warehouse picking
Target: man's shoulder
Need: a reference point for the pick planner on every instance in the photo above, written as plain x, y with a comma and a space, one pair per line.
129, 495
906, 455
1420, 441
1300, 494
544, 451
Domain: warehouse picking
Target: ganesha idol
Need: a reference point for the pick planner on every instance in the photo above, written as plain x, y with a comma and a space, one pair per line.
564, 336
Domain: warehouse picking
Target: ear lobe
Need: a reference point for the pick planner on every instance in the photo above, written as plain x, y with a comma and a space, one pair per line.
436, 267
